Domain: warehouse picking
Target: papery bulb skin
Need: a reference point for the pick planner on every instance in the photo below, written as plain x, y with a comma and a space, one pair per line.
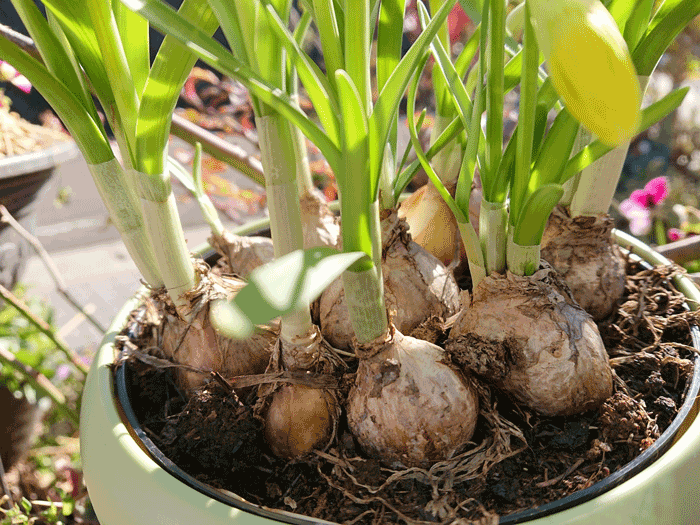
299, 420
197, 344
243, 254
431, 223
590, 66
320, 225
527, 336
408, 407
582, 251
417, 287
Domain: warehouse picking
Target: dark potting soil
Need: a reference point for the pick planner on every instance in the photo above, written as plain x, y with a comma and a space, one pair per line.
518, 460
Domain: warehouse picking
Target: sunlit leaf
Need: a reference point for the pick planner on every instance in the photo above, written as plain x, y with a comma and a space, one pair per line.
285, 285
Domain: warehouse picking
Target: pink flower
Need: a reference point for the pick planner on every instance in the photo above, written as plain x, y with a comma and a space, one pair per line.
653, 194
10, 74
637, 209
674, 234
638, 216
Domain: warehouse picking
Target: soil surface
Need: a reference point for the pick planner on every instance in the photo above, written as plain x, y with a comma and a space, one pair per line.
518, 460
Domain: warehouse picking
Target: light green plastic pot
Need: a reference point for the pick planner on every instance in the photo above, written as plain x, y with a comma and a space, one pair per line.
127, 487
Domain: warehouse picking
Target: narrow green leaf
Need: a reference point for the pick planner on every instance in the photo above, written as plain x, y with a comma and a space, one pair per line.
133, 31
226, 12
530, 225
389, 41
171, 67
357, 48
116, 66
165, 19
555, 152
621, 10
470, 157
495, 85
596, 149
83, 90
444, 103
353, 180
454, 88
77, 26
527, 116
637, 23
472, 8
237, 21
466, 56
667, 23
389, 98
329, 30
389, 35
70, 109
280, 287
53, 53
460, 214
450, 132
269, 57
317, 86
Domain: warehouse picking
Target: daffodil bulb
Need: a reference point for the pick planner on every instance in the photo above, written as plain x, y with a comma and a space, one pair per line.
590, 65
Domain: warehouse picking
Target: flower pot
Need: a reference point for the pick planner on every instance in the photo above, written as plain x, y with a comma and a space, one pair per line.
24, 181
129, 485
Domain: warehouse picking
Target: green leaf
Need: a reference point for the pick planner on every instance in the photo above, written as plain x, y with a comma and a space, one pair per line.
353, 181
134, 34
389, 35
596, 149
389, 40
171, 67
444, 103
86, 132
637, 23
555, 152
269, 58
454, 85
530, 226
330, 30
495, 86
387, 104
665, 26
165, 19
357, 49
473, 9
280, 287
450, 132
75, 20
621, 10
231, 23
54, 55
466, 56
462, 215
116, 66
471, 152
318, 88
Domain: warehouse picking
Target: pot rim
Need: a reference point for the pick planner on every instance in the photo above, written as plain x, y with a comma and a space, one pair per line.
40, 160
646, 458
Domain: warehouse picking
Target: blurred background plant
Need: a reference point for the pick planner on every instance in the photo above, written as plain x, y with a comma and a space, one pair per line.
39, 403
657, 198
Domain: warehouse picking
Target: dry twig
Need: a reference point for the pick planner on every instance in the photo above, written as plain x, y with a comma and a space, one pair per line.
7, 218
